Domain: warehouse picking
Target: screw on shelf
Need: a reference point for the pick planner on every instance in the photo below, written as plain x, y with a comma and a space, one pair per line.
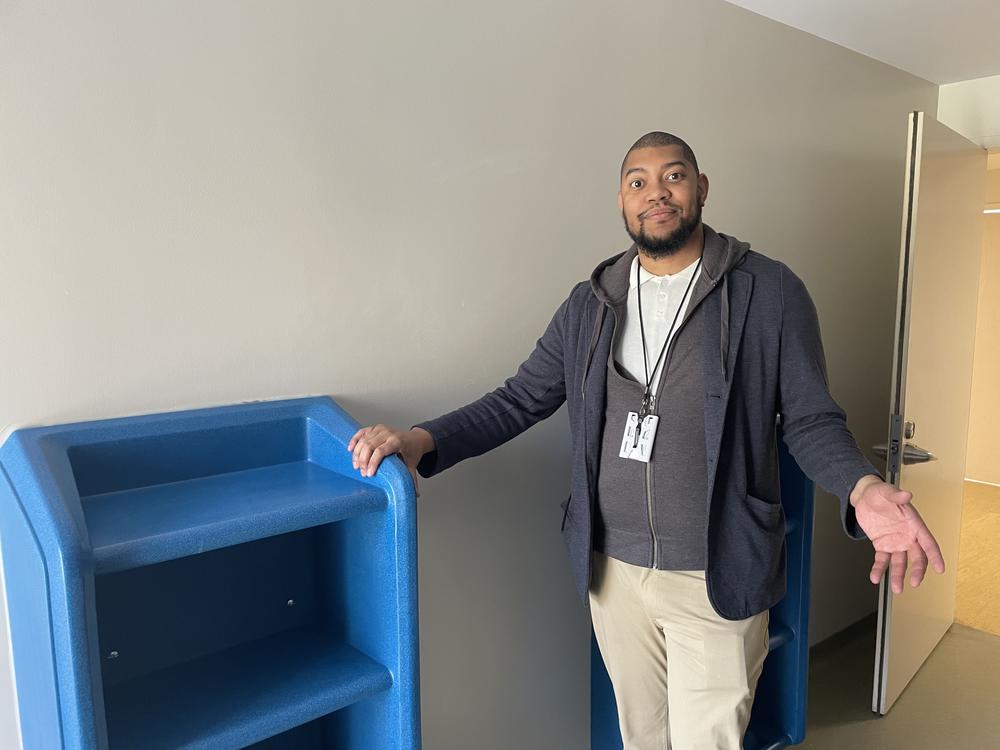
113, 655
290, 603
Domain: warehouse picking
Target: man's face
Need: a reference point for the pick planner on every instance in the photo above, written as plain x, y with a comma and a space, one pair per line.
660, 198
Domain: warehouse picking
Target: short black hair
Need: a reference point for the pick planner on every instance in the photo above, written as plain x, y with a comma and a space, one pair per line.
656, 139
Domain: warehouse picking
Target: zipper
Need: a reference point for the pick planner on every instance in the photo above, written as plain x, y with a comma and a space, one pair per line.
649, 464
649, 499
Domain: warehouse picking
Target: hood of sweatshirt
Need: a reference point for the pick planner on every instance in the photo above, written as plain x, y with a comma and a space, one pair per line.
610, 280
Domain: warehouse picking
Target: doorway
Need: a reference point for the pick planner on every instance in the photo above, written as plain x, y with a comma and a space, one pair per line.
951, 700
977, 596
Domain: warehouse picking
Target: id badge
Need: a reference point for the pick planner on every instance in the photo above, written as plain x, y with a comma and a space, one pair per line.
641, 450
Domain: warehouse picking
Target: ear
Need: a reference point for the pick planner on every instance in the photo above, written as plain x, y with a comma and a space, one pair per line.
621, 203
702, 190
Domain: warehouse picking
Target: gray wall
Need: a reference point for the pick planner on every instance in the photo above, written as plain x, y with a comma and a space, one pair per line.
210, 202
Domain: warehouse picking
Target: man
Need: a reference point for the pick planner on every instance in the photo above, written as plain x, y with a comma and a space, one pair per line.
676, 360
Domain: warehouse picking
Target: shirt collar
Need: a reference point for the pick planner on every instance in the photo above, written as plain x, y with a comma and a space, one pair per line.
644, 275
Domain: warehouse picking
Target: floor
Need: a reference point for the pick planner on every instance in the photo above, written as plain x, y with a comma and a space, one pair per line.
951, 703
977, 598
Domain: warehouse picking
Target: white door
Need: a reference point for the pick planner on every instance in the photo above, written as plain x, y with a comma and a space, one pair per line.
932, 379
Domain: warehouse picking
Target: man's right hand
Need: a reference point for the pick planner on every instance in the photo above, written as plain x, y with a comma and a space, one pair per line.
371, 444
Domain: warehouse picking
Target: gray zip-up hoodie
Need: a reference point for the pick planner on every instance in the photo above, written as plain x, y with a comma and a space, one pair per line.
654, 514
761, 358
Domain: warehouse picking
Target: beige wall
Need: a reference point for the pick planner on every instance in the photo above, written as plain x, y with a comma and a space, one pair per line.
993, 178
983, 459
212, 202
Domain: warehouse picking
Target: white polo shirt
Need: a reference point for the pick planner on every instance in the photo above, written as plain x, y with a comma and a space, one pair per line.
661, 298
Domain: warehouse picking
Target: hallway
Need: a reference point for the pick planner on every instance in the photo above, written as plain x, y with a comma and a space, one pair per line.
950, 704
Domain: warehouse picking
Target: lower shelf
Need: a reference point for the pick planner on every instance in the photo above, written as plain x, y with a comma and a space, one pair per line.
751, 742
233, 699
777, 637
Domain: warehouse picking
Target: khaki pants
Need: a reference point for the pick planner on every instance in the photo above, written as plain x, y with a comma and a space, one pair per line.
684, 677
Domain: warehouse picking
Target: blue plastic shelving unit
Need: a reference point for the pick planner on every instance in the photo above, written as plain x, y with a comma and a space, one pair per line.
219, 578
778, 718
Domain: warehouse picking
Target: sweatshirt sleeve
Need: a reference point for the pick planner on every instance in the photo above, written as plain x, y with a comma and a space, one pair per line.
813, 424
534, 392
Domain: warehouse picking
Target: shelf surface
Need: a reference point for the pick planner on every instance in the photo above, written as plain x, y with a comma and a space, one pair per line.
131, 528
241, 696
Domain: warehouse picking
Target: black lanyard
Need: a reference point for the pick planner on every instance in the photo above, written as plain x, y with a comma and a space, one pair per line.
648, 400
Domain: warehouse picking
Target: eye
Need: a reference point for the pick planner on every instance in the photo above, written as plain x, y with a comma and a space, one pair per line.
635, 184
675, 176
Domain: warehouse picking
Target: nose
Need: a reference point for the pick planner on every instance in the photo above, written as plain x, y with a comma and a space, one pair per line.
658, 191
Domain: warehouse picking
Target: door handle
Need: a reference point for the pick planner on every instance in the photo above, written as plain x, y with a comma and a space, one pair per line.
912, 454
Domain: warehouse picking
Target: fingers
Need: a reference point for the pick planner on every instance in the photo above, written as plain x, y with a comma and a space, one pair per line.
926, 541
363, 432
355, 438
360, 445
929, 545
923, 550
370, 445
901, 497
387, 447
918, 565
878, 567
897, 570
389, 444
369, 448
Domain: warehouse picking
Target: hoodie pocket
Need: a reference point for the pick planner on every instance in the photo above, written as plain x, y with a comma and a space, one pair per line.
766, 515
565, 509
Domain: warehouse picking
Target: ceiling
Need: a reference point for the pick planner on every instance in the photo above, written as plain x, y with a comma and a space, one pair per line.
942, 42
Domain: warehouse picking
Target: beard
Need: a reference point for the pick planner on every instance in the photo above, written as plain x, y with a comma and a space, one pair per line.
661, 247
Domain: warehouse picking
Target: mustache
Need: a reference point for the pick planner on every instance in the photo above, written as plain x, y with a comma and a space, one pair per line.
657, 208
